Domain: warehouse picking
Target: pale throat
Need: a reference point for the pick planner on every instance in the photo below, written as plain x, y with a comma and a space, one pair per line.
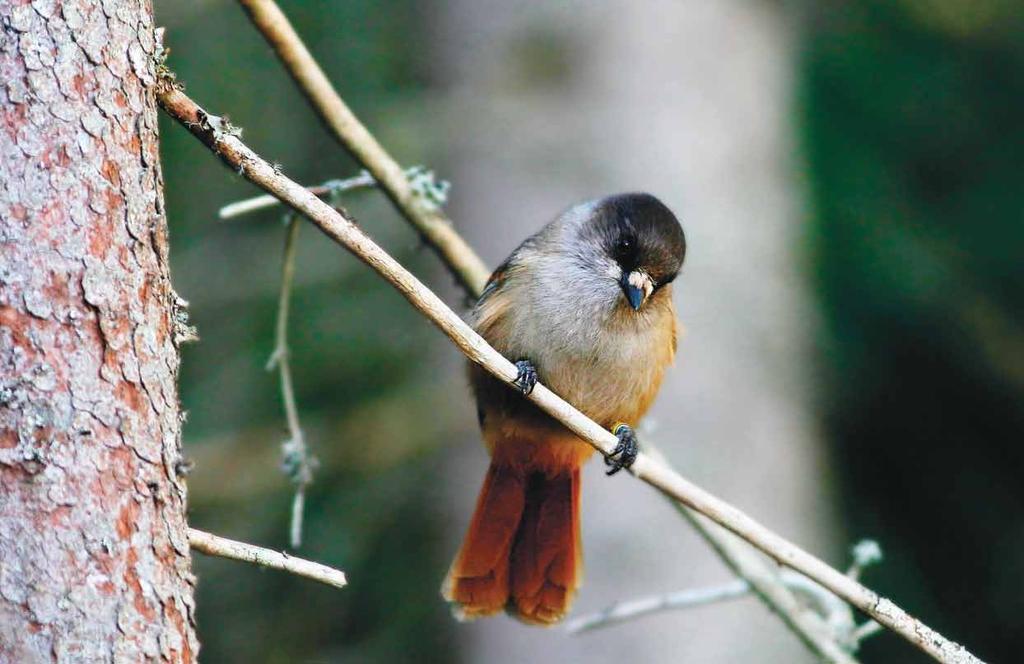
642, 280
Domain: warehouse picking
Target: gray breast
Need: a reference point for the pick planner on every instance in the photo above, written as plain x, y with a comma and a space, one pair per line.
570, 325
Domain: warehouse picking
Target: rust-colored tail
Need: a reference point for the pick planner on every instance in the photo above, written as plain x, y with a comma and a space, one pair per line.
522, 552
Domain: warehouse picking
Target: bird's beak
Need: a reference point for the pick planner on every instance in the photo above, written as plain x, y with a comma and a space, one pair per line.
637, 286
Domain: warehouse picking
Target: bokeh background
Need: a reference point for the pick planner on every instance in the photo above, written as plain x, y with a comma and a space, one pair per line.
849, 174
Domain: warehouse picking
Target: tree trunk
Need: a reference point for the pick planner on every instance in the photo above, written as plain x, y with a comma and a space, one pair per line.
94, 558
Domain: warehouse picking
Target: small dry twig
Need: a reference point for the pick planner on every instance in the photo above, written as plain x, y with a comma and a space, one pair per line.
214, 133
422, 181
328, 189
296, 460
213, 545
834, 614
644, 606
765, 581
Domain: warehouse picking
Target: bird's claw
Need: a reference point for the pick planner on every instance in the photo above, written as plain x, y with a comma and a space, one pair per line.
625, 452
526, 378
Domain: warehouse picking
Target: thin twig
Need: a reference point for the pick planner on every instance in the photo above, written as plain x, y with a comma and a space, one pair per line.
866, 630
212, 545
833, 620
472, 275
636, 608
296, 460
330, 188
257, 203
836, 611
224, 141
765, 581
423, 213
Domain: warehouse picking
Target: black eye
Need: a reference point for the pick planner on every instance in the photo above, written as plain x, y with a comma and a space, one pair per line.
625, 247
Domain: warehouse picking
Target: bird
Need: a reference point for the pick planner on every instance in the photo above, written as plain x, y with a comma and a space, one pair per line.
585, 307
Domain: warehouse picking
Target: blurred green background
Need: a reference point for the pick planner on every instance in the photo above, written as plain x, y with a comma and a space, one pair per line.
909, 122
913, 126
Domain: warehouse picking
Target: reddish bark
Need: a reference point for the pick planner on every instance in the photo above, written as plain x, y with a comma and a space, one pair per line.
94, 559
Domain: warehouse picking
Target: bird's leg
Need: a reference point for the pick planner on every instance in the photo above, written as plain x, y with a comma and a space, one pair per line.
526, 378
625, 452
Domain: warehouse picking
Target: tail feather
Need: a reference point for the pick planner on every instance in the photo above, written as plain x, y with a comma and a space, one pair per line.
522, 551
477, 582
546, 556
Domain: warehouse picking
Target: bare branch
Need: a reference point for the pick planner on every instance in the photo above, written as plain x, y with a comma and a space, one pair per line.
636, 608
765, 582
835, 611
212, 545
224, 141
422, 212
296, 459
833, 625
327, 189
297, 462
866, 630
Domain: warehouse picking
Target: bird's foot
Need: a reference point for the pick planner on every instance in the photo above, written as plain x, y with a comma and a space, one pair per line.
625, 452
526, 378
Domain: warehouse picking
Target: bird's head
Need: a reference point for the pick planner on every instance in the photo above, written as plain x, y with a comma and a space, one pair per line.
636, 241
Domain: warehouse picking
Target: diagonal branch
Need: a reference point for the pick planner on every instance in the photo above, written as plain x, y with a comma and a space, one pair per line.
213, 545
435, 228
223, 139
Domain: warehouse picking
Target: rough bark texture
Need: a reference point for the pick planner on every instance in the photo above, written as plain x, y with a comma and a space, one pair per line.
94, 558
